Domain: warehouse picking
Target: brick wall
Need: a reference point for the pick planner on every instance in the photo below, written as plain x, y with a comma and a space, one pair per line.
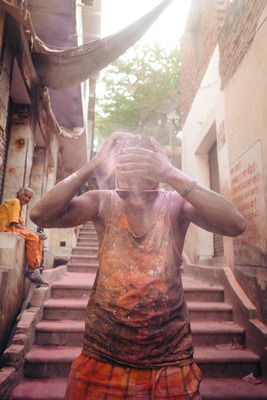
4, 102
197, 45
237, 34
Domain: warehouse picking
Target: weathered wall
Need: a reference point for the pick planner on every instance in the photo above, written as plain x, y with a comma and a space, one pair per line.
15, 176
4, 98
245, 126
199, 134
234, 114
234, 43
61, 241
11, 282
197, 46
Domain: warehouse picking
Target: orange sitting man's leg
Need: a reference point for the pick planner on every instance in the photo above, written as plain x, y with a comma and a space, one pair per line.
34, 247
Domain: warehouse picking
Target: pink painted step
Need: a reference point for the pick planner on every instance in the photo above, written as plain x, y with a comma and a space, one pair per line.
82, 267
84, 258
85, 250
40, 389
73, 285
210, 389
199, 291
70, 333
215, 363
212, 333
231, 389
50, 361
57, 309
216, 311
60, 333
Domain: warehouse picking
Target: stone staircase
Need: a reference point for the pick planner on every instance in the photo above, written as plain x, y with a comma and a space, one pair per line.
59, 335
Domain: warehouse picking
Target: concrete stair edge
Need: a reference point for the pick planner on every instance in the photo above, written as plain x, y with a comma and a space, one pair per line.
210, 389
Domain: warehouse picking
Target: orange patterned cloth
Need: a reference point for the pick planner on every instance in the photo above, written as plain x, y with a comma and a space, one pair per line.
91, 379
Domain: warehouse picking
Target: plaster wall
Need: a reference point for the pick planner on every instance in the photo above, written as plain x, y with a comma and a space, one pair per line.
61, 241
246, 138
37, 177
15, 176
237, 118
4, 100
199, 134
11, 282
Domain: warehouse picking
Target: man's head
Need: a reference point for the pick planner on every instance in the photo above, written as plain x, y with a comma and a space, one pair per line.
24, 195
136, 184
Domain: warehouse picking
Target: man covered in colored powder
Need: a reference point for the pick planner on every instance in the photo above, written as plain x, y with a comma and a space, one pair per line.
12, 219
137, 342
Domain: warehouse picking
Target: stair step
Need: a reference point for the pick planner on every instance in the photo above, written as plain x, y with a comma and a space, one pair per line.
215, 363
86, 228
82, 267
86, 242
57, 309
87, 235
60, 333
212, 333
40, 389
85, 250
73, 285
208, 295
70, 332
212, 311
210, 389
85, 259
50, 361
231, 389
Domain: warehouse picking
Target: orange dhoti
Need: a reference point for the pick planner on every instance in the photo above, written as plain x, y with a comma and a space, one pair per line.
34, 246
91, 379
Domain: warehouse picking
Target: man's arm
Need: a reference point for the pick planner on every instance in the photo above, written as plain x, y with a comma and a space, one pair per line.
60, 208
206, 208
202, 206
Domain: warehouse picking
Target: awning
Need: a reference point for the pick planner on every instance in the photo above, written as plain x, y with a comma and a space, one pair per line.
64, 68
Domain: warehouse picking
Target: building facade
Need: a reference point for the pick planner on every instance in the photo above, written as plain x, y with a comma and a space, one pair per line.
45, 134
224, 59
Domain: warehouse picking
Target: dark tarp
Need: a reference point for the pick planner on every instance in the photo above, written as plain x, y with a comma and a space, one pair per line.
64, 68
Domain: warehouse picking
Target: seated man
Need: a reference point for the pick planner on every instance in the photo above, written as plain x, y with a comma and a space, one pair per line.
137, 342
12, 220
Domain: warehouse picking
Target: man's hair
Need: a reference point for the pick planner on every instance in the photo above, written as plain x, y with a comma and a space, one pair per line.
24, 189
140, 141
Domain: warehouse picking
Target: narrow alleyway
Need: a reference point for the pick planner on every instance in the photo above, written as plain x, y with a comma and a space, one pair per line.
59, 335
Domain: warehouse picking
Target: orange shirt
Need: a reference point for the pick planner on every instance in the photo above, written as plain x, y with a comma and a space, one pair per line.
10, 212
137, 314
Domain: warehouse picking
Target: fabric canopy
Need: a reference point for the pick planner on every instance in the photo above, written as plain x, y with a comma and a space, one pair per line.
64, 68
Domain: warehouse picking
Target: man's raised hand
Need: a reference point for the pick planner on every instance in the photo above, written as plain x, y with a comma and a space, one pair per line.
135, 161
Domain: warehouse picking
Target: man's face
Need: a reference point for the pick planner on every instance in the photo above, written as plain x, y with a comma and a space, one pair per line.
136, 191
24, 197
